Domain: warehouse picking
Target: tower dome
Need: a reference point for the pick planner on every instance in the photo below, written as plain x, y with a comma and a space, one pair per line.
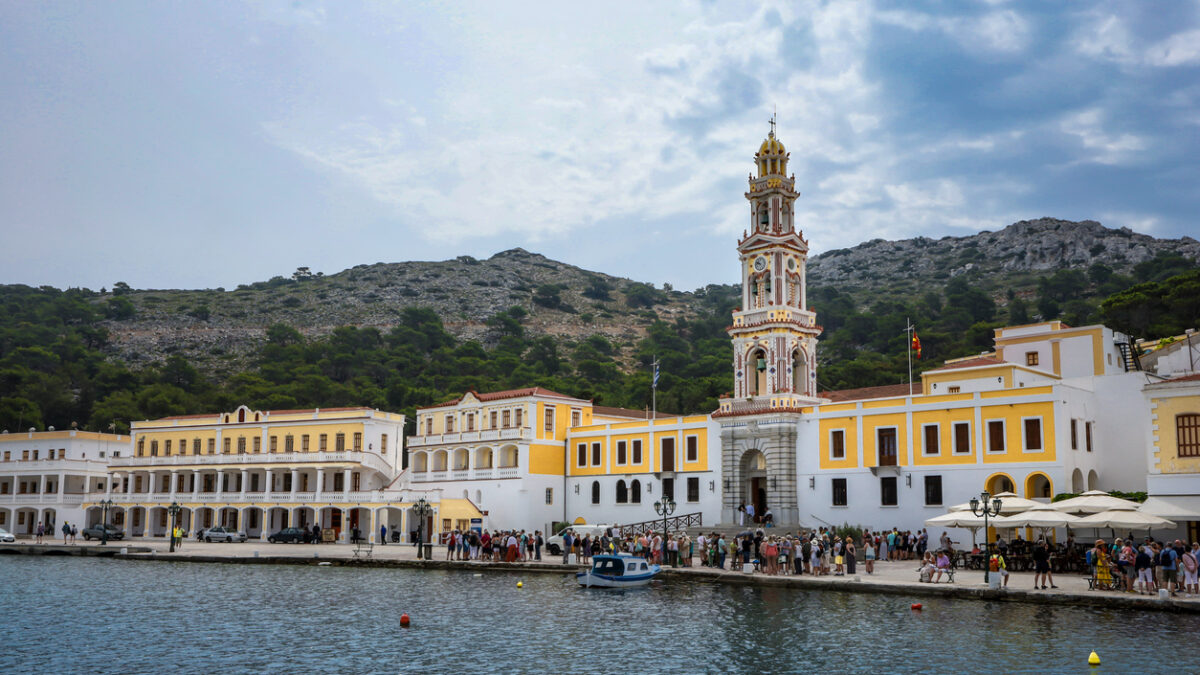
772, 157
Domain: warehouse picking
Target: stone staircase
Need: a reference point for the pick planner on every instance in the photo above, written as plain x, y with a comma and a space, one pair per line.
729, 531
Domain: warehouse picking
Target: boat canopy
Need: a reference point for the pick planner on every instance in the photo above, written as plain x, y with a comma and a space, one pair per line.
611, 565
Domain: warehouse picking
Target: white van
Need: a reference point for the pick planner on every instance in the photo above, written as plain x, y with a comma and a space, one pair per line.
554, 544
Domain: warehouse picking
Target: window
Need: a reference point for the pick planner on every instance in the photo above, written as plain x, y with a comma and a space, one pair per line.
839, 491
212, 446
668, 488
7, 455
886, 448
1033, 433
595, 454
257, 444
887, 491
635, 491
506, 418
141, 448
622, 493
1031, 358
575, 418
837, 444
933, 490
227, 446
667, 454
693, 489
1187, 434
470, 422
962, 437
153, 449
339, 442
637, 451
518, 417
595, 492
931, 433
954, 389
383, 443
1074, 434
995, 435
304, 446
581, 455
549, 495
274, 444
1087, 435
358, 440
693, 449
322, 442
549, 421
449, 424
492, 419
289, 443
241, 446
622, 457
428, 426
166, 449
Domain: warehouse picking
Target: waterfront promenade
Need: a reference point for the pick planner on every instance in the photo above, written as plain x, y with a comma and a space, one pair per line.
899, 577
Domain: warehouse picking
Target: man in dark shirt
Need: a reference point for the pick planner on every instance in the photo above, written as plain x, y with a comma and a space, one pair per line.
1041, 566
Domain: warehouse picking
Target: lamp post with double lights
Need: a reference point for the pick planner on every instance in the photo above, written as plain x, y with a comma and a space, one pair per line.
665, 507
105, 505
981, 507
174, 510
421, 509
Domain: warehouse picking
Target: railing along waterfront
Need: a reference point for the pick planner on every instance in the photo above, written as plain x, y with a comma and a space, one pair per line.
673, 523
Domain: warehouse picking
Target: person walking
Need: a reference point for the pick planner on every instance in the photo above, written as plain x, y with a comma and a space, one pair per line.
74, 533
66, 531
383, 534
39, 533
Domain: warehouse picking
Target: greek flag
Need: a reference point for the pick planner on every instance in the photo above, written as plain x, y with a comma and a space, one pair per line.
655, 384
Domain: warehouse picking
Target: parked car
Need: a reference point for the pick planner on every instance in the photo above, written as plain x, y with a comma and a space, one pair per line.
554, 544
95, 532
6, 536
224, 534
291, 535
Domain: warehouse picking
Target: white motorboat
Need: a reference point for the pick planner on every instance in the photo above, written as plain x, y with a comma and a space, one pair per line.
618, 571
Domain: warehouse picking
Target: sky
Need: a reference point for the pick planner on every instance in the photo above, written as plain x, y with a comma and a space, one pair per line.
204, 145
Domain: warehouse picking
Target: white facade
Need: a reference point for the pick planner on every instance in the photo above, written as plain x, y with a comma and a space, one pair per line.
46, 476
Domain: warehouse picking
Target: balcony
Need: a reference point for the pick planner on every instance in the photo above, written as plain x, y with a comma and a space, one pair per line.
354, 497
511, 434
53, 466
367, 459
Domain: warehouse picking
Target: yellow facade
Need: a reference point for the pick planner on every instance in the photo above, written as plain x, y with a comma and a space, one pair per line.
1166, 412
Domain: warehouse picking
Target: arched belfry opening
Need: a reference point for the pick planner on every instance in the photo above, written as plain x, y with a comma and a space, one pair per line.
758, 372
799, 372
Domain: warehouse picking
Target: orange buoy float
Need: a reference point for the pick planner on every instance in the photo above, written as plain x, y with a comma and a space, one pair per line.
404, 620
916, 605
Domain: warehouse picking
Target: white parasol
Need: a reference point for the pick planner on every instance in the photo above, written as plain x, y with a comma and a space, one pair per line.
1093, 501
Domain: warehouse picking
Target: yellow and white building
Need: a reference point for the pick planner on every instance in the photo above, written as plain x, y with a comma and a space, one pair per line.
1173, 452
260, 471
46, 476
532, 457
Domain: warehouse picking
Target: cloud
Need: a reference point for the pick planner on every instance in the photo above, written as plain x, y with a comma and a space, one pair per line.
1105, 148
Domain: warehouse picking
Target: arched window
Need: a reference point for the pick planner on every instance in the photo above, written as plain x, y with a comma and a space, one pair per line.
758, 372
799, 373
595, 492
636, 490
420, 462
622, 493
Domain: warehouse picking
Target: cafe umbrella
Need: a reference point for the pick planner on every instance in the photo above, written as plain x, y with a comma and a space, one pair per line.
1093, 501
959, 519
1042, 517
1124, 517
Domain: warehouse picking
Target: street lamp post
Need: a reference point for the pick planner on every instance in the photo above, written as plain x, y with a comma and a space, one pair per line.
421, 509
174, 510
664, 508
981, 507
105, 505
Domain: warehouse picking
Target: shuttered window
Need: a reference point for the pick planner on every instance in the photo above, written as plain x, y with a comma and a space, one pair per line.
1187, 434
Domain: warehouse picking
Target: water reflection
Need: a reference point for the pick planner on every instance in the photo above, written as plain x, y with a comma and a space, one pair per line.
93, 615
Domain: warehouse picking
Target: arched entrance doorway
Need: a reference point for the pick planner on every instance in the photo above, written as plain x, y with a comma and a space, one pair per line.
1037, 486
998, 483
754, 481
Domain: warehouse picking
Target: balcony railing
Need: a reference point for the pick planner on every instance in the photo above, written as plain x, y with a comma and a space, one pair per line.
472, 474
368, 459
513, 433
252, 497
53, 465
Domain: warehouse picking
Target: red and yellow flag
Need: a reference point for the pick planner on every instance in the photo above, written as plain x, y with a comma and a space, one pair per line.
916, 344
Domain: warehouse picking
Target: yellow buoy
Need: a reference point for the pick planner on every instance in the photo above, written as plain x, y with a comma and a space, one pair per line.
1094, 659
522, 585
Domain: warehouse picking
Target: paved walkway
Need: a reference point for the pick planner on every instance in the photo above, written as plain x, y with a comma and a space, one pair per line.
889, 577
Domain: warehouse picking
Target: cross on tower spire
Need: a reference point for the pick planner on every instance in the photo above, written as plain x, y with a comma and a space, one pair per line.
772, 123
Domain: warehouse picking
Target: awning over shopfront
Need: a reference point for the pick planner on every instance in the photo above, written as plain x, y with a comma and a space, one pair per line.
1174, 507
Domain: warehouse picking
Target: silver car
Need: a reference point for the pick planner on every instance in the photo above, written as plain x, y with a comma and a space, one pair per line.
6, 536
224, 534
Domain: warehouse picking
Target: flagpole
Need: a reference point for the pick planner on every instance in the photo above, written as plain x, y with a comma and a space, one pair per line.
908, 329
654, 391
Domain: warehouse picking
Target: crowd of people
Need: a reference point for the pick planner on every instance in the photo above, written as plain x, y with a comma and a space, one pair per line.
1147, 568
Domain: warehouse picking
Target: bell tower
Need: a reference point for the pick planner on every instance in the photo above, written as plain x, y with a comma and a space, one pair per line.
774, 336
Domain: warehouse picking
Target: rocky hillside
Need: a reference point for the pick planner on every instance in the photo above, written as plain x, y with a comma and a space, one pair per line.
1010, 257
219, 329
